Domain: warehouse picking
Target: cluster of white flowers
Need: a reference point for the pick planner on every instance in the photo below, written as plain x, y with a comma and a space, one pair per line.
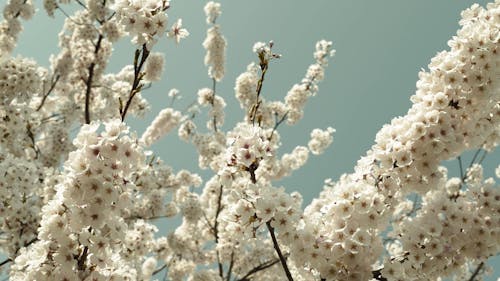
320, 140
249, 84
11, 26
91, 228
297, 96
166, 120
455, 108
84, 217
91, 217
452, 228
145, 21
154, 67
19, 79
22, 200
214, 43
207, 97
248, 145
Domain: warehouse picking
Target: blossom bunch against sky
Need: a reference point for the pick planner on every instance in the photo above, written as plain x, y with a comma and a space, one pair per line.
332, 140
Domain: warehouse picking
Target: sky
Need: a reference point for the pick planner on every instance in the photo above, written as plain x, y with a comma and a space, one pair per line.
381, 46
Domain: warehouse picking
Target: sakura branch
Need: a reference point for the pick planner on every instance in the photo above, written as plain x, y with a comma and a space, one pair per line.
81, 191
140, 58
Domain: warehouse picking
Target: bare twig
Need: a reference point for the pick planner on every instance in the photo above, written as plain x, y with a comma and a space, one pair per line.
136, 85
461, 168
159, 269
216, 231
264, 65
214, 121
278, 251
6, 261
377, 275
83, 258
476, 272
277, 123
474, 157
260, 267
89, 80
230, 269
52, 86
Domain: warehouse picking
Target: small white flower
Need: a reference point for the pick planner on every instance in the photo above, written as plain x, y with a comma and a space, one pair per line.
177, 31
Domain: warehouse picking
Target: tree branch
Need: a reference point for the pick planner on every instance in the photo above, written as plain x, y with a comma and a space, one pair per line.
6, 261
277, 123
83, 258
278, 251
136, 86
476, 272
159, 269
260, 267
230, 270
264, 65
216, 232
377, 275
52, 86
214, 121
89, 80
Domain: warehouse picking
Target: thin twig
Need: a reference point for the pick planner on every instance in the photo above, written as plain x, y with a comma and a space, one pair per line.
260, 267
216, 231
89, 80
52, 86
136, 86
460, 167
83, 258
277, 123
278, 251
6, 261
264, 65
212, 102
474, 157
159, 269
476, 272
377, 275
482, 157
230, 269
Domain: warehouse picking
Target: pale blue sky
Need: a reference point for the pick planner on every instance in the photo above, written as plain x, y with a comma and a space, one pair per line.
381, 46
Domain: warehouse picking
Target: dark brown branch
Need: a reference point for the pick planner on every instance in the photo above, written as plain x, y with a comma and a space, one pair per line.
83, 258
482, 157
81, 4
264, 65
31, 136
19, 12
230, 269
476, 272
474, 157
89, 80
214, 121
159, 269
260, 267
277, 123
136, 84
278, 251
377, 275
52, 86
216, 231
6, 261
461, 168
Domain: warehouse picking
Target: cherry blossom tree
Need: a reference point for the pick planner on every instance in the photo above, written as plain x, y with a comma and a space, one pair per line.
82, 206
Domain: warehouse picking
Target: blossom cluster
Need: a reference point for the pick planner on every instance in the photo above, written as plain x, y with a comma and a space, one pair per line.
84, 205
455, 108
